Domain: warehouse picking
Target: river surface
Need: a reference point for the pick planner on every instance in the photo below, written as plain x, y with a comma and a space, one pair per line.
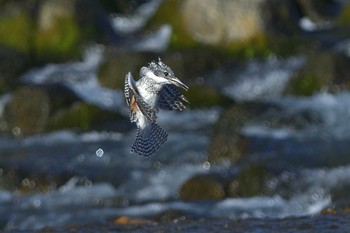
106, 181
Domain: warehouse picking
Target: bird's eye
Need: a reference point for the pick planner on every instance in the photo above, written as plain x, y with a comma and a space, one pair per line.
166, 73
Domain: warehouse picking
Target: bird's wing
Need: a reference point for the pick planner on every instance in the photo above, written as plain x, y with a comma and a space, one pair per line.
149, 139
170, 98
134, 100
127, 90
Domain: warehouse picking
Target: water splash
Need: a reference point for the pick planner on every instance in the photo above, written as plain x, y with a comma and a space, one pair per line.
81, 78
135, 22
330, 114
156, 42
262, 79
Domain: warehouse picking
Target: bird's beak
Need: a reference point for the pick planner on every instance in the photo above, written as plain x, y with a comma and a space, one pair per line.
178, 83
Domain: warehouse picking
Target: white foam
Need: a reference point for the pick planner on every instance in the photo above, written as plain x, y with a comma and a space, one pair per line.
81, 78
306, 24
155, 42
189, 120
263, 79
135, 22
331, 111
65, 136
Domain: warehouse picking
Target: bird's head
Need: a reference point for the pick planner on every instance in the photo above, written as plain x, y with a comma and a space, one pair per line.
162, 73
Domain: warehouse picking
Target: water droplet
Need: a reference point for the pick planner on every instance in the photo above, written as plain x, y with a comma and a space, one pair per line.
99, 152
16, 131
206, 165
157, 164
37, 203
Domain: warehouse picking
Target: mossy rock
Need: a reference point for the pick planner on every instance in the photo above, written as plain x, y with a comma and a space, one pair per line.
116, 65
242, 28
202, 96
202, 187
168, 13
80, 116
249, 182
173, 12
322, 70
55, 30
17, 27
28, 111
344, 16
58, 34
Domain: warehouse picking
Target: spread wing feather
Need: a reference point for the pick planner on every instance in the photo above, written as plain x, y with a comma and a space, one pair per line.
149, 140
170, 98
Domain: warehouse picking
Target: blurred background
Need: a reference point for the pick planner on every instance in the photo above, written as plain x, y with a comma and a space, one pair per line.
267, 135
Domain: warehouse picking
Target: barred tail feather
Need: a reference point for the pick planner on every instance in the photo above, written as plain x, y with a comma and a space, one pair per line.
149, 140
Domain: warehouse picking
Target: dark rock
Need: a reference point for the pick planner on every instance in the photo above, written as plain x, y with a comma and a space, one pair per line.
80, 116
24, 182
203, 187
116, 65
204, 96
121, 6
344, 16
12, 64
280, 19
227, 142
251, 181
28, 111
322, 70
319, 11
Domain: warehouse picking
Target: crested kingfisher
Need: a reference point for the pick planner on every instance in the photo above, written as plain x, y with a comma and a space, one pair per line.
157, 88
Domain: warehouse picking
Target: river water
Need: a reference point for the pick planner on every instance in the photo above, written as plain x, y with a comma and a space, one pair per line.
106, 181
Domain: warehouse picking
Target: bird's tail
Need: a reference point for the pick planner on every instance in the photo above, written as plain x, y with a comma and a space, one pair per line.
149, 140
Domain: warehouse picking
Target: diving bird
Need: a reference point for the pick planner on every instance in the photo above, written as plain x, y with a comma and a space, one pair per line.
157, 88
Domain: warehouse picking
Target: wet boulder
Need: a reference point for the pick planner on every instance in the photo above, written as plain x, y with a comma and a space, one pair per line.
326, 70
205, 96
203, 187
53, 30
240, 26
81, 116
250, 181
16, 25
12, 64
344, 16
27, 112
116, 65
